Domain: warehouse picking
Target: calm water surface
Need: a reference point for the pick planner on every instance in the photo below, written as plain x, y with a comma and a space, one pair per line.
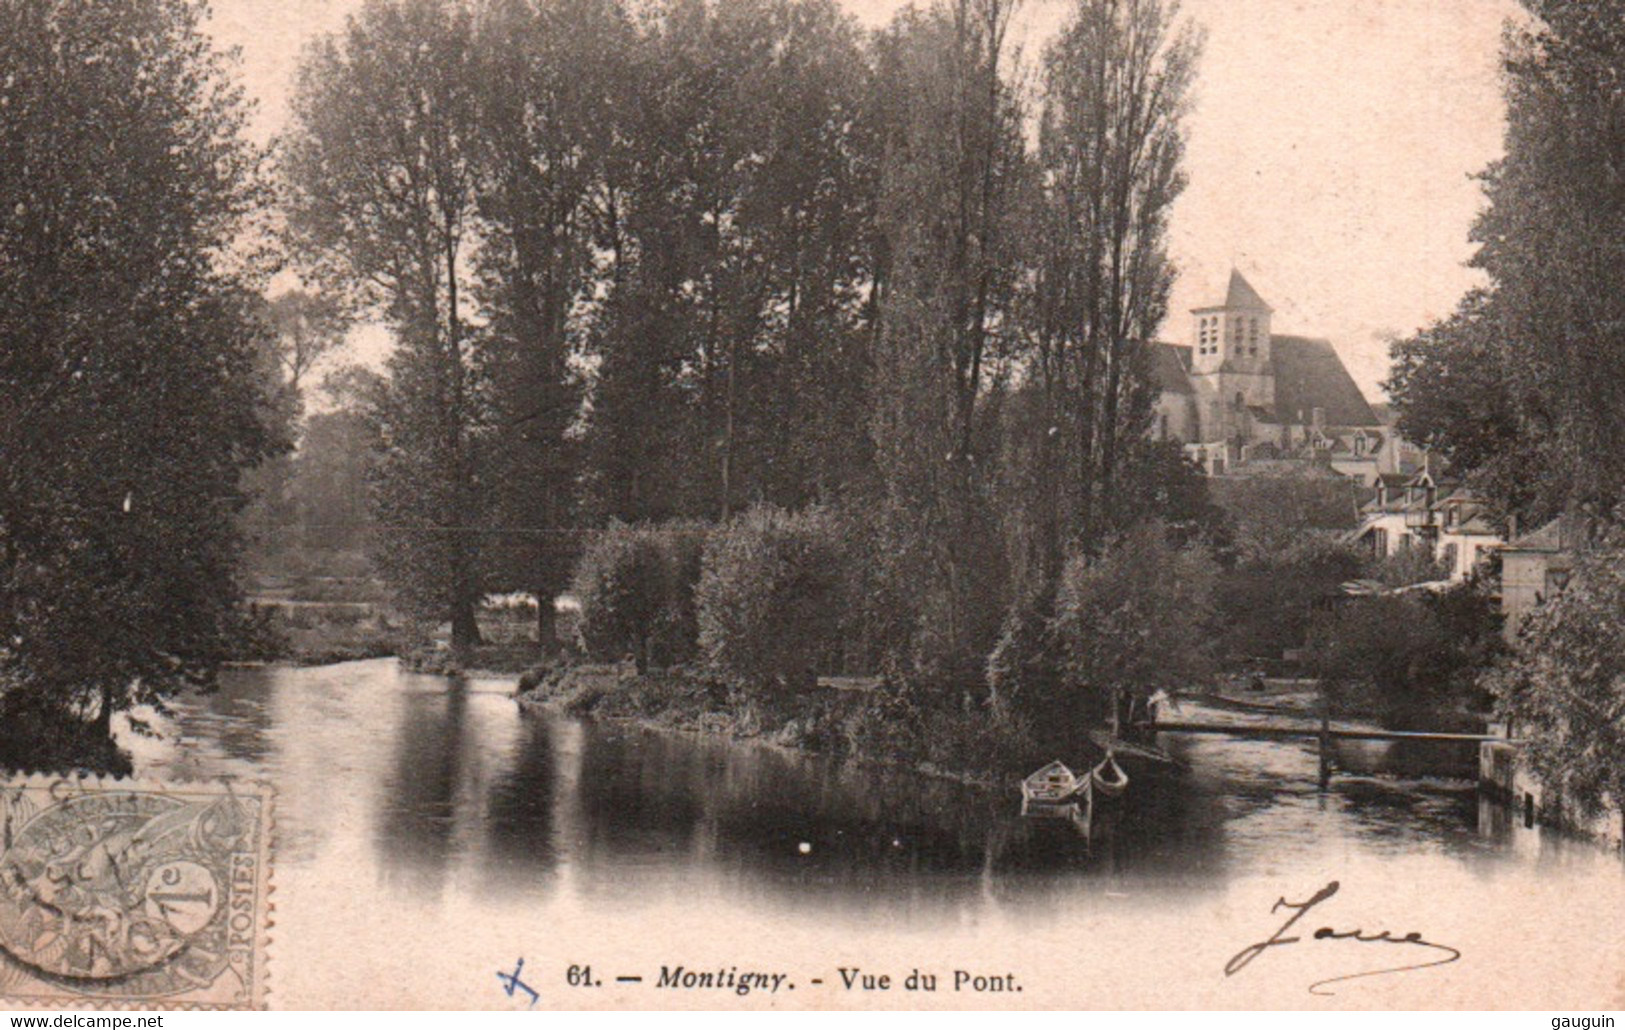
429, 833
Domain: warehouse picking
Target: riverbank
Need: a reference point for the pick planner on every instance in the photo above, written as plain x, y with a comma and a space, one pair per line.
310, 633
860, 723
46, 739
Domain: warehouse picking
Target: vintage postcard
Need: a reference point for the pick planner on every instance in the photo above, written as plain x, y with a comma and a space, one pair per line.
526, 505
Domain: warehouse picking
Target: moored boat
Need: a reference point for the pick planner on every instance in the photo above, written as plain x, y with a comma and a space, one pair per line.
1052, 791
1108, 778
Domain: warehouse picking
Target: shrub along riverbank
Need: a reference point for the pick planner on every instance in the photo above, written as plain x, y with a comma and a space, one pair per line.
866, 722
745, 628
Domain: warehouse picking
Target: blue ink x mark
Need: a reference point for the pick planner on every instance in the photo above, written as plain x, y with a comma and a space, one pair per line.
512, 982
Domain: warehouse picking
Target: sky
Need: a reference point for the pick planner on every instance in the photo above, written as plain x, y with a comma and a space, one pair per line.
1332, 149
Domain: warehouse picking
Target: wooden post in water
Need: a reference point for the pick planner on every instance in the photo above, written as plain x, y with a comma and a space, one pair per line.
1325, 738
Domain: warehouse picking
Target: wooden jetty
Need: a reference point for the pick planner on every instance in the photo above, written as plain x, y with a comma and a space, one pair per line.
1311, 730
1323, 732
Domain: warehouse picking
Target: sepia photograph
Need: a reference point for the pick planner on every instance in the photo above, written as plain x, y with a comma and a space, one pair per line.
531, 505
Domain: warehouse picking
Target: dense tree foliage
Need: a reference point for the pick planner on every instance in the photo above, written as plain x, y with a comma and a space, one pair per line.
1132, 620
677, 260
729, 344
381, 168
130, 390
1521, 376
1564, 687
1520, 387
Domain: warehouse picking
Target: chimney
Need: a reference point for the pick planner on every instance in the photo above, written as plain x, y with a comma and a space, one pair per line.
1317, 418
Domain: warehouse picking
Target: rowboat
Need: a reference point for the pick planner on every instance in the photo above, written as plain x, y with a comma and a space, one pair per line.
1053, 791
1108, 778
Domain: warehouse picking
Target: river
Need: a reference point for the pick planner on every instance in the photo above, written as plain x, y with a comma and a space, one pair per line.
429, 835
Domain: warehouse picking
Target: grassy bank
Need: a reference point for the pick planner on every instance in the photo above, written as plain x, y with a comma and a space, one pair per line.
869, 723
489, 660
323, 633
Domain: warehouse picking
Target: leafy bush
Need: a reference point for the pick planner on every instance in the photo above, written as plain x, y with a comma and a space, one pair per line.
635, 588
1414, 649
1407, 567
677, 631
1390, 642
1565, 684
769, 600
1266, 602
1130, 621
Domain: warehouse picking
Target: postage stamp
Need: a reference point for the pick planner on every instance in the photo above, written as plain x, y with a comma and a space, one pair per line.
121, 893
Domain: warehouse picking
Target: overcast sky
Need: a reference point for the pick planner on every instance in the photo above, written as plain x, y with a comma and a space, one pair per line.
1331, 155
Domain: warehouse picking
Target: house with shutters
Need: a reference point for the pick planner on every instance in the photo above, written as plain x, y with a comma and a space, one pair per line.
1423, 513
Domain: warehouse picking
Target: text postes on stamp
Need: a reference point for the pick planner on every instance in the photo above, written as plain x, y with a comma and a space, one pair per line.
133, 894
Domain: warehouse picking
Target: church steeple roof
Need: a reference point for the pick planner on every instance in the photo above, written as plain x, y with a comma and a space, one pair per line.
1242, 295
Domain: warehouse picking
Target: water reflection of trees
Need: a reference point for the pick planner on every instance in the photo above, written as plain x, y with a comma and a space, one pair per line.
800, 830
418, 805
236, 716
520, 804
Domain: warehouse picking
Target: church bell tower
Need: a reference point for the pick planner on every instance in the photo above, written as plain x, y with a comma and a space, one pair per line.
1230, 361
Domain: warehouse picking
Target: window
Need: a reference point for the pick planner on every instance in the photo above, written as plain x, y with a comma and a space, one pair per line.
1163, 426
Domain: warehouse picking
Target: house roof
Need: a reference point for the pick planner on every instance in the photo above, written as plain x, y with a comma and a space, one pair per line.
1310, 375
1239, 294
1171, 367
1477, 525
1242, 295
1559, 534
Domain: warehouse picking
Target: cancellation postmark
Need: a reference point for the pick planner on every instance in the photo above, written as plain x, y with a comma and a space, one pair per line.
134, 894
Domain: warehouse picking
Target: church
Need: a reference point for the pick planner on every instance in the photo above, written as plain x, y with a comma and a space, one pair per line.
1242, 398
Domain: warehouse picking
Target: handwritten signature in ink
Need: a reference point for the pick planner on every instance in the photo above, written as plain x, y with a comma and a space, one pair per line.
511, 982
1299, 909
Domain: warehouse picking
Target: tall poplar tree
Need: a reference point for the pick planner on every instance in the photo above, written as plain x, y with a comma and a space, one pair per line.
381, 168
548, 97
954, 164
1111, 140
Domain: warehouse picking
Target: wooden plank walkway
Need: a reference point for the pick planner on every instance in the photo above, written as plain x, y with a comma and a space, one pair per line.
1273, 730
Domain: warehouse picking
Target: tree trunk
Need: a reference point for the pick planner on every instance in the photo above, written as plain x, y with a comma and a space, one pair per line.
465, 627
547, 623
104, 718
